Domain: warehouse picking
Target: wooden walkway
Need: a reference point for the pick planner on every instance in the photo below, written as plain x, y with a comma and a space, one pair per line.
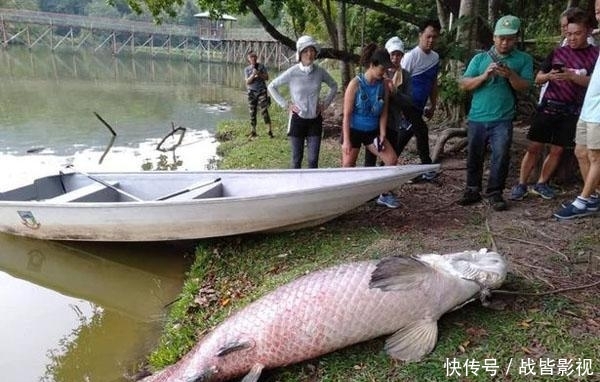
61, 31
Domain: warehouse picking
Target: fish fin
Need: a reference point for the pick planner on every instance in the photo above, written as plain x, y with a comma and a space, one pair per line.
414, 341
399, 273
254, 373
235, 346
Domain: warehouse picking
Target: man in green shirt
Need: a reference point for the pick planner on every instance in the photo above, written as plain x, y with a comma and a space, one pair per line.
494, 77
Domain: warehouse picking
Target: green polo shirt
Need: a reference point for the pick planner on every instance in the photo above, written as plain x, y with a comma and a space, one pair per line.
494, 99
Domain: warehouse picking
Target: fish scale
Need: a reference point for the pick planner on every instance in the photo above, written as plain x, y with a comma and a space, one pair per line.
328, 310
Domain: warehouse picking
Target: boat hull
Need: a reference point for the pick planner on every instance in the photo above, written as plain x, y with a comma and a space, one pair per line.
252, 201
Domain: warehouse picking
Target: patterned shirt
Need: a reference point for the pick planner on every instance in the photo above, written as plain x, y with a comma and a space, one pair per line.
581, 61
258, 84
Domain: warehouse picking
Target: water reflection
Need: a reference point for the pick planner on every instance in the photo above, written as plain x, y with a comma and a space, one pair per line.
84, 312
91, 311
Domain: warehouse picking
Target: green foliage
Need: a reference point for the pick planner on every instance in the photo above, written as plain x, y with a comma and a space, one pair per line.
76, 7
30, 5
449, 91
238, 151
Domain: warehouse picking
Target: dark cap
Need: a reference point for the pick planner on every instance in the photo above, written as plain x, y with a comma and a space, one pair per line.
381, 57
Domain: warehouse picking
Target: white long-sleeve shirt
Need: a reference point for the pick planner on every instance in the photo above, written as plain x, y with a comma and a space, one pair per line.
305, 89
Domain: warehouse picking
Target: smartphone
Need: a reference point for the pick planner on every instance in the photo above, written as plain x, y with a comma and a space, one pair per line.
558, 66
500, 64
378, 144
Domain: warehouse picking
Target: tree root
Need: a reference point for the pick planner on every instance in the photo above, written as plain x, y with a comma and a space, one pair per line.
445, 135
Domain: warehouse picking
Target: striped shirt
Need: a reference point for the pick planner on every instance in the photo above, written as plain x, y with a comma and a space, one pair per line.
581, 61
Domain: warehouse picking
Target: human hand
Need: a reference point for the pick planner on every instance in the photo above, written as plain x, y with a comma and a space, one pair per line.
502, 70
346, 147
561, 75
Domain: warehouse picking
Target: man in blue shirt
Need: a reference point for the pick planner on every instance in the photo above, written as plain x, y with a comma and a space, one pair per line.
494, 76
423, 64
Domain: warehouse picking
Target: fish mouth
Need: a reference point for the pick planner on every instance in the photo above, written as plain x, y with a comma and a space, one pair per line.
488, 269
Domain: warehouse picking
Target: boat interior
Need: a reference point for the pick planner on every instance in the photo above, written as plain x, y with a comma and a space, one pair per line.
65, 188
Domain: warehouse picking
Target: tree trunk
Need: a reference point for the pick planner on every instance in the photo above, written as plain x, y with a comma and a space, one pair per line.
465, 31
442, 16
492, 11
345, 66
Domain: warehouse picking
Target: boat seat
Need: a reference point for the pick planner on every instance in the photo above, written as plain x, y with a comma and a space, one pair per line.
94, 192
214, 190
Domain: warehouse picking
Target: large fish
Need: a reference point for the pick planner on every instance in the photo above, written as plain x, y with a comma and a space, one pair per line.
340, 306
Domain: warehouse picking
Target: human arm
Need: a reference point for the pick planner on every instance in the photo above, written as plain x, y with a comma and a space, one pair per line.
474, 77
383, 117
274, 85
429, 110
349, 96
566, 75
333, 88
516, 81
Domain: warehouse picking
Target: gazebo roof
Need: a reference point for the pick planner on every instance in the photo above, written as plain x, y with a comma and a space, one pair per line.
206, 15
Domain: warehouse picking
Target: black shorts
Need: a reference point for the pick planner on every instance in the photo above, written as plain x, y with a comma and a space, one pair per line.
555, 129
359, 137
303, 127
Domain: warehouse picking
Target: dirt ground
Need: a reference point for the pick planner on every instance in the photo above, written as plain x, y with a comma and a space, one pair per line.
545, 255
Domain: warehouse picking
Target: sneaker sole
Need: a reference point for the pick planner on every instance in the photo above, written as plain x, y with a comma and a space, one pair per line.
546, 197
391, 206
590, 209
520, 198
581, 215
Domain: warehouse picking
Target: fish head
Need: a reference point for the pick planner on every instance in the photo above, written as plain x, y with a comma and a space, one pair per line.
221, 355
486, 268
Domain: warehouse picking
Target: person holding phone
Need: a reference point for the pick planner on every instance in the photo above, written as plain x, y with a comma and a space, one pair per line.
256, 77
494, 77
566, 71
587, 149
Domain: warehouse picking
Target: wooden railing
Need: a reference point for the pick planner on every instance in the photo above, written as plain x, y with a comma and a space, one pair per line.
113, 24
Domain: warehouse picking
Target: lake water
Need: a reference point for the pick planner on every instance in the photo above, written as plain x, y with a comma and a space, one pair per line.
84, 311
48, 101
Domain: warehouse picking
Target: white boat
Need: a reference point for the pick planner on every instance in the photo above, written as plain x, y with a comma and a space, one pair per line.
170, 205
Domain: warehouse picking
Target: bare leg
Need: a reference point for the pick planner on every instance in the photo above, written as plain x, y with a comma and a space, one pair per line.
529, 160
388, 155
593, 176
550, 163
350, 159
581, 153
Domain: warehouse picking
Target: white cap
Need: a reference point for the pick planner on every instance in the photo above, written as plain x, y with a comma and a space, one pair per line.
394, 44
303, 43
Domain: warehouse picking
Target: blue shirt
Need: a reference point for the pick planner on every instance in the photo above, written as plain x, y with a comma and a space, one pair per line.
368, 105
423, 68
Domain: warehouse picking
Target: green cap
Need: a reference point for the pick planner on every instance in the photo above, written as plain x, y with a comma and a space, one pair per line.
507, 25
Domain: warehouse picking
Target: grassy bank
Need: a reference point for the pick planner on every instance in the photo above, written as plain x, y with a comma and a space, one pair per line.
228, 273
